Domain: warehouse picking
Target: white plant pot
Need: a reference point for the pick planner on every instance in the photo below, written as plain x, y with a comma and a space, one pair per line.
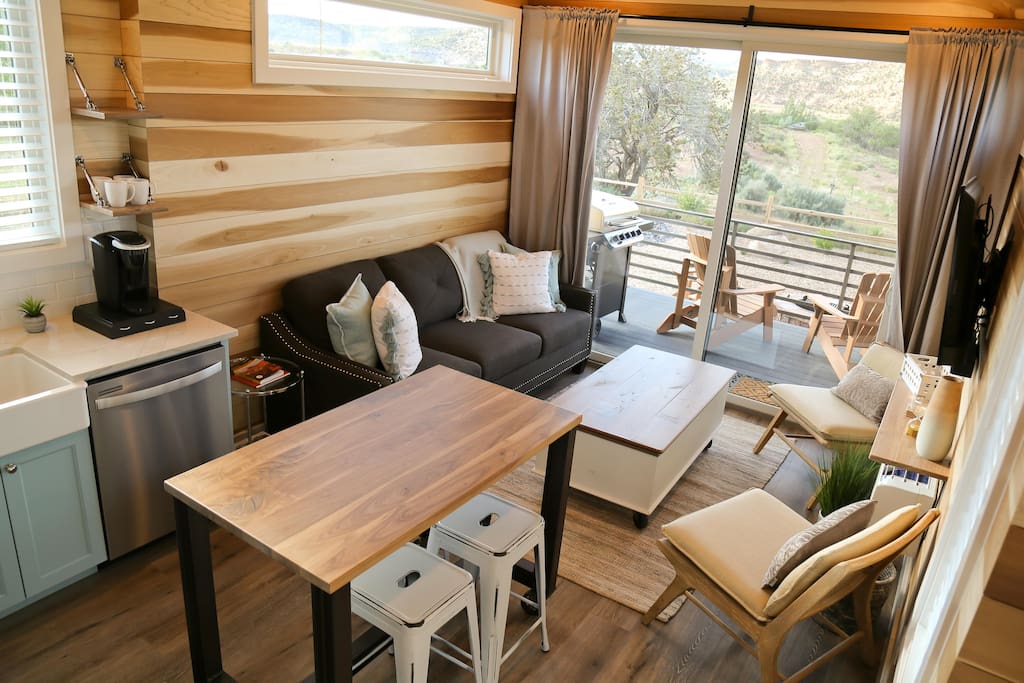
35, 323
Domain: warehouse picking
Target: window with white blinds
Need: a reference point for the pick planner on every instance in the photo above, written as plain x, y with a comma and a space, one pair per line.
29, 211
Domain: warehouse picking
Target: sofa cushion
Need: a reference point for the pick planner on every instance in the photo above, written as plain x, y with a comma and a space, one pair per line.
305, 298
519, 283
348, 324
498, 349
428, 280
556, 256
395, 332
557, 330
432, 357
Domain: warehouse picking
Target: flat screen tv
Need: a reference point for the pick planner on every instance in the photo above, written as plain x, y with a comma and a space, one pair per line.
958, 346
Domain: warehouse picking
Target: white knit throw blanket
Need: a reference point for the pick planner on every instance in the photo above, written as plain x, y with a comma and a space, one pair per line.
463, 250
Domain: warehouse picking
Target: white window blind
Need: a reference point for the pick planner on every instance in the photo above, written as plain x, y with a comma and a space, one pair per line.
29, 201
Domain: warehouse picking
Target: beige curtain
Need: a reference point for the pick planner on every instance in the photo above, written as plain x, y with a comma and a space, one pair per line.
962, 116
564, 59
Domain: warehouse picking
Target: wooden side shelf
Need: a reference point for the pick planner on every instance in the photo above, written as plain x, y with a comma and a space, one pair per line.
86, 202
114, 114
893, 447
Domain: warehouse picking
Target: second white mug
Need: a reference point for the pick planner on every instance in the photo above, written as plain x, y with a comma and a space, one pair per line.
141, 186
119, 192
99, 191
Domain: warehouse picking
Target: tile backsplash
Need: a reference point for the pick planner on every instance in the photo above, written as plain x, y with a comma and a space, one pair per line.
62, 287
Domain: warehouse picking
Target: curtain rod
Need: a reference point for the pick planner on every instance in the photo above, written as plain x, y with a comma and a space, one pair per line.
749, 20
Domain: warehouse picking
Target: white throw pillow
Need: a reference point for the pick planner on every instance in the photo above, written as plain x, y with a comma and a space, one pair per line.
521, 283
395, 332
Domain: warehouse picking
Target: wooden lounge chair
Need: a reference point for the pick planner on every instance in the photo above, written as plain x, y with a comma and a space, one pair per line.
722, 552
840, 333
746, 307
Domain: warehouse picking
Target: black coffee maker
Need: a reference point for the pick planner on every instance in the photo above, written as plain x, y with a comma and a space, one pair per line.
121, 272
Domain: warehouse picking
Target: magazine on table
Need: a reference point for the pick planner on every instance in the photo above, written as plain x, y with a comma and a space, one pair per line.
258, 372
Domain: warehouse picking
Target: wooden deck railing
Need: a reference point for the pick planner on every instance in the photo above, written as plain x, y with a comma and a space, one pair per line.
799, 258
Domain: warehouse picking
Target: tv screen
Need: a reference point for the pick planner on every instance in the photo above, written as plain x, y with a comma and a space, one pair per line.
958, 346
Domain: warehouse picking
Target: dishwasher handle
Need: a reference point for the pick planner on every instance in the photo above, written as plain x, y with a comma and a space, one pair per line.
160, 389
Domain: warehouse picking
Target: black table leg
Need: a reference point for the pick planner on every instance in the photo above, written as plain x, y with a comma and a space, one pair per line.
332, 634
193, 536
552, 505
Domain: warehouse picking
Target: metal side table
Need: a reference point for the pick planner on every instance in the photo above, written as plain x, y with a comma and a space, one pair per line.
287, 383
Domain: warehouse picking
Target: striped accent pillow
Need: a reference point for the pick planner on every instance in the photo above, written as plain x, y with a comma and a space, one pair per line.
521, 283
840, 524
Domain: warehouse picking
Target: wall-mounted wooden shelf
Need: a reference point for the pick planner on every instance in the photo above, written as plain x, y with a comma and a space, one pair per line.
86, 202
114, 114
892, 445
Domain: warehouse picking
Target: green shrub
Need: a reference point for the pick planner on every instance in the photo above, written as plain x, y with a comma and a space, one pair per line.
823, 241
803, 197
689, 199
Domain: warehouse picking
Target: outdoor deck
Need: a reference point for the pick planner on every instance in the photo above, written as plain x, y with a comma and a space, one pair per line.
780, 360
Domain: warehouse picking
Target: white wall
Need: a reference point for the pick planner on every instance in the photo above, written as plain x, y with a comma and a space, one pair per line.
62, 287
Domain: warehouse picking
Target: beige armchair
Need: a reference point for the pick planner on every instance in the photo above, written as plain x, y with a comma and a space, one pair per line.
823, 415
722, 552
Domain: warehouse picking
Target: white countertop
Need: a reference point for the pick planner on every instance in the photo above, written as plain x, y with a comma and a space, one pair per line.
81, 354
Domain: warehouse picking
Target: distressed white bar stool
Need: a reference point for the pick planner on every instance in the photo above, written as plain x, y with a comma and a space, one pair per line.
409, 595
494, 534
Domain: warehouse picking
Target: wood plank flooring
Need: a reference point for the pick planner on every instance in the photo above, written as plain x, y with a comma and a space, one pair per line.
126, 623
780, 360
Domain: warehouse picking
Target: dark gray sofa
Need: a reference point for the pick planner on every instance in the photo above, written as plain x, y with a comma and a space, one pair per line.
521, 352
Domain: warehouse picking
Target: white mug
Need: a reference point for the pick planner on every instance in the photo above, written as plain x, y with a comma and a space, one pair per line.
141, 186
119, 192
98, 191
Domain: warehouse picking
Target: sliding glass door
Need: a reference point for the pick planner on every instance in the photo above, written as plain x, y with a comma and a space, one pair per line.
813, 209
768, 177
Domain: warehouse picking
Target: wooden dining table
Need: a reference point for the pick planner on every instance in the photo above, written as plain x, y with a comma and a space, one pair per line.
331, 496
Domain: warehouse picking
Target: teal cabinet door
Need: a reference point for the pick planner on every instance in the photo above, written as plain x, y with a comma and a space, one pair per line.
54, 511
11, 590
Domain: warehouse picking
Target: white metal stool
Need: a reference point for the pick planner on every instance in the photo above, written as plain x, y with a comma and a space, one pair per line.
409, 595
494, 534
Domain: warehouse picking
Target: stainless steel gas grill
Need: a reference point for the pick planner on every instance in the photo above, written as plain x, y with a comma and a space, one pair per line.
614, 228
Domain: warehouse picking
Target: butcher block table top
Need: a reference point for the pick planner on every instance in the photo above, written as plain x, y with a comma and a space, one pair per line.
331, 496
644, 398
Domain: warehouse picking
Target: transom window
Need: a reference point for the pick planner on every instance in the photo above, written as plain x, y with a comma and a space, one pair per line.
470, 45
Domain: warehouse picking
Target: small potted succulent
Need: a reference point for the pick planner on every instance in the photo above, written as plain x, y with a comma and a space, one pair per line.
32, 314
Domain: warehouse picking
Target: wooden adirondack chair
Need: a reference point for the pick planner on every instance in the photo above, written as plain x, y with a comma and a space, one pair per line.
840, 333
746, 307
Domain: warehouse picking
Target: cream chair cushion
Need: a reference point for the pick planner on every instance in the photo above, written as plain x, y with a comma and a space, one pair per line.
829, 415
883, 531
883, 359
735, 540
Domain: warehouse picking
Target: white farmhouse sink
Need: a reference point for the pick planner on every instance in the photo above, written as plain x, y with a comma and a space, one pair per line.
36, 403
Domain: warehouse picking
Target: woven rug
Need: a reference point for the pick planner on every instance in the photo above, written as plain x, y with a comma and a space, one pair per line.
604, 552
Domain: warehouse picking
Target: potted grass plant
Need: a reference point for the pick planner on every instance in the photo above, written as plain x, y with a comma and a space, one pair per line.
33, 318
848, 478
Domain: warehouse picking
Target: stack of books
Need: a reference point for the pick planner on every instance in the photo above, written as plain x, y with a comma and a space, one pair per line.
258, 372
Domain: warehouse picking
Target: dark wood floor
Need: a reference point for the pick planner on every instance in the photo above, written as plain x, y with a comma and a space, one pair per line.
780, 360
126, 623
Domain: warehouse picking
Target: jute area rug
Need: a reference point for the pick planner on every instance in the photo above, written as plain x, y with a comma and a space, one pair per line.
604, 552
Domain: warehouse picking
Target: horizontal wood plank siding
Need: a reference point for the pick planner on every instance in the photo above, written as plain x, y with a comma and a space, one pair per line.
264, 183
330, 107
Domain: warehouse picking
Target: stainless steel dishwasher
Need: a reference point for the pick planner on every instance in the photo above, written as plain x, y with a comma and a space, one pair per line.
149, 424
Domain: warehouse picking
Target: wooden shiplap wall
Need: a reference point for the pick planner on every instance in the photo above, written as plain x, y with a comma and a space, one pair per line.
267, 182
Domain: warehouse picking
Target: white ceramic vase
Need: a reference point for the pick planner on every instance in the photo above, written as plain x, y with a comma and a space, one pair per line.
938, 427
